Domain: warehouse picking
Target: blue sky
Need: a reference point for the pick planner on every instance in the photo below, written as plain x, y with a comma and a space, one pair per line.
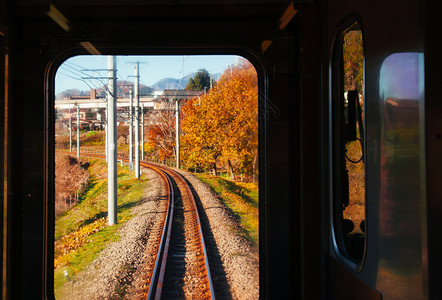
72, 72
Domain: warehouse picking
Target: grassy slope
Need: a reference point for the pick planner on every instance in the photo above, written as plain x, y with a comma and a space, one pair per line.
242, 200
82, 233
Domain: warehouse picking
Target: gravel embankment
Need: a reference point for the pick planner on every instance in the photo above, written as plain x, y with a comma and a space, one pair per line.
239, 258
108, 275
112, 272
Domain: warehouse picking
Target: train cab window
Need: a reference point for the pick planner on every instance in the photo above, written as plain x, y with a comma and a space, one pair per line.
348, 145
125, 128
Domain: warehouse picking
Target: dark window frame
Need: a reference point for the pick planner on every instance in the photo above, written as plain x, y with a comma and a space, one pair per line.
337, 133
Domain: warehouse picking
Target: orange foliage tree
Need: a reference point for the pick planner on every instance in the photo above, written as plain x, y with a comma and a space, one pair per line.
221, 129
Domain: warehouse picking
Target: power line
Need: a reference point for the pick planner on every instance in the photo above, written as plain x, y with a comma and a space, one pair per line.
84, 81
78, 72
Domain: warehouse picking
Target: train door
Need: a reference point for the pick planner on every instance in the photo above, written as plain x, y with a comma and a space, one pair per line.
347, 138
376, 200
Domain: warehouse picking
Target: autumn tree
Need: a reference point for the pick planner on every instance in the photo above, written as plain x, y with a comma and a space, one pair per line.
222, 127
161, 135
200, 81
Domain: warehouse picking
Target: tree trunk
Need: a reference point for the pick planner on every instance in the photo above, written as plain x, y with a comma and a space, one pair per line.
255, 167
232, 175
214, 169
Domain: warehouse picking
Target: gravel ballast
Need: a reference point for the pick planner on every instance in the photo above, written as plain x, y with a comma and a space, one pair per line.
112, 273
239, 258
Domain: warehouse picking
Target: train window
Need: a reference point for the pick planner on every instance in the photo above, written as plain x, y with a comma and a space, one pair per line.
348, 140
158, 116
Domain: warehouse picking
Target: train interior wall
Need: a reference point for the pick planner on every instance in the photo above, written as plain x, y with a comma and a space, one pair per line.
37, 46
294, 92
433, 126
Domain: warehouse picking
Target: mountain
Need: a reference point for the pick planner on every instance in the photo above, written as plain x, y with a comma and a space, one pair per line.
71, 92
170, 84
177, 84
123, 87
122, 91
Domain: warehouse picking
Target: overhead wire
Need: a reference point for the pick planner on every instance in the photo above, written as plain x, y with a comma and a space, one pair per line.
79, 73
73, 68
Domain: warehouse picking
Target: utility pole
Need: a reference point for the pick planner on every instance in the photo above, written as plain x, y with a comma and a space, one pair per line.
137, 120
142, 131
112, 141
70, 128
78, 131
131, 125
106, 135
177, 126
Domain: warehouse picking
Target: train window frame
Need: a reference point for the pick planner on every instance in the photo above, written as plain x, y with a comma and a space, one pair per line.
337, 126
4, 138
51, 72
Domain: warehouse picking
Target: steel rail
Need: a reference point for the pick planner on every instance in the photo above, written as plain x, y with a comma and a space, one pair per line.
200, 227
189, 192
165, 239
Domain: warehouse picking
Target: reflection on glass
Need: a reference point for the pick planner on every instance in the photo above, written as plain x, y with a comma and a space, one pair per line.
349, 140
353, 58
402, 208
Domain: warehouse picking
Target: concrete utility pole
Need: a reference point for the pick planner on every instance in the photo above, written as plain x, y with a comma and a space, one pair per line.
177, 126
142, 131
131, 126
137, 120
70, 128
78, 131
106, 135
112, 141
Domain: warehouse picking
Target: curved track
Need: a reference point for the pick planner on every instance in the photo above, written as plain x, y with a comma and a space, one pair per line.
179, 269
183, 271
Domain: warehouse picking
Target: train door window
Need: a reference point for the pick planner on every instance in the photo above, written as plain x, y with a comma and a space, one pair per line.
348, 144
197, 113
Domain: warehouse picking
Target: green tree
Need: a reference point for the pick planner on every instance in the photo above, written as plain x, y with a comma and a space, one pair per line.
200, 81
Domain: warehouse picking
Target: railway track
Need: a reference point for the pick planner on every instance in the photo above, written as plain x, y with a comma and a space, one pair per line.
184, 270
175, 264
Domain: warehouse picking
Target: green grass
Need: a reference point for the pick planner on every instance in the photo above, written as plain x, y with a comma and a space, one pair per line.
82, 232
91, 133
242, 200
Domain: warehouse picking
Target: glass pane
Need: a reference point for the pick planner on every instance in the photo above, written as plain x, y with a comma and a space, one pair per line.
353, 58
349, 144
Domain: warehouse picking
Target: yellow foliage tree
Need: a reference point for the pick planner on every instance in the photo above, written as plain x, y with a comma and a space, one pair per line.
222, 128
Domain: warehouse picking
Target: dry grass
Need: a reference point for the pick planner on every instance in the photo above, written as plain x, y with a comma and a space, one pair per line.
71, 179
242, 200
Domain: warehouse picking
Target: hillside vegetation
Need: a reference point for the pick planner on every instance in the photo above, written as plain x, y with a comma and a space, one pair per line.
82, 232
